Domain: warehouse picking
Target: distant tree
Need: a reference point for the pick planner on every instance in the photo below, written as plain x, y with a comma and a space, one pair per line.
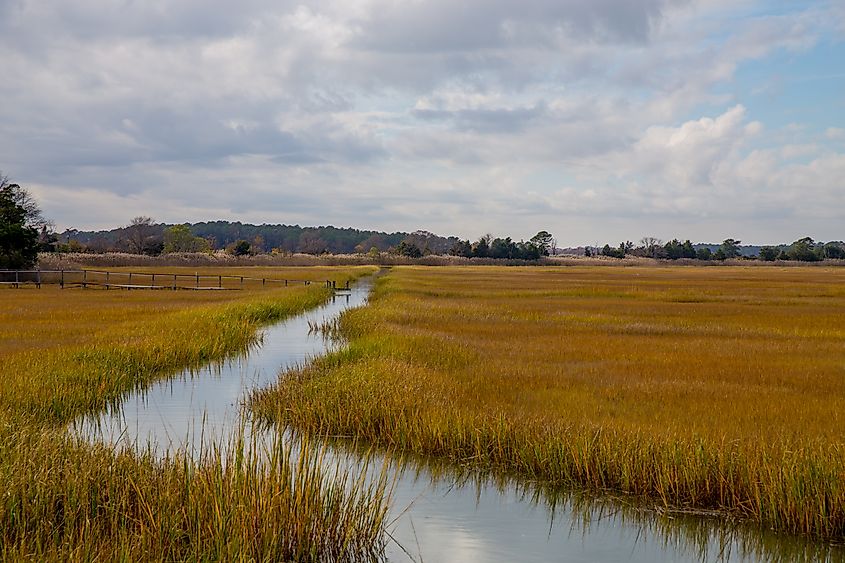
688, 250
408, 249
804, 250
720, 255
461, 248
703, 253
139, 234
310, 242
834, 250
673, 249
614, 252
769, 254
501, 248
20, 218
374, 253
543, 241
528, 251
651, 246
730, 248
179, 238
241, 248
481, 248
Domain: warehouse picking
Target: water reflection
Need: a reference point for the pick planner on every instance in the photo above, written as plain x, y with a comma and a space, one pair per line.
443, 512
440, 512
201, 408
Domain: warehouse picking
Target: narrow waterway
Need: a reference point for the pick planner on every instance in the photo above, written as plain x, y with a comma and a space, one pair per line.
438, 513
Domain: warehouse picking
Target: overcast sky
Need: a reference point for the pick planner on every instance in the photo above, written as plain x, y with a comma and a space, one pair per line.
598, 120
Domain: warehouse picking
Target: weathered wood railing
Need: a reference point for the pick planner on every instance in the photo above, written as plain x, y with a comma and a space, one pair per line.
108, 279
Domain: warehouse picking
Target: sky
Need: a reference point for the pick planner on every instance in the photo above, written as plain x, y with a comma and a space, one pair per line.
599, 120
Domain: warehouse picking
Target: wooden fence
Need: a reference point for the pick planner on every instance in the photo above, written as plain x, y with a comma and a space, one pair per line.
144, 280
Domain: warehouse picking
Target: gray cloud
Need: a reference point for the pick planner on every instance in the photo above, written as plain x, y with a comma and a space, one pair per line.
474, 115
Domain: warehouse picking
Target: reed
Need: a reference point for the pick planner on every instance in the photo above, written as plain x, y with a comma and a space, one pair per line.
64, 353
695, 388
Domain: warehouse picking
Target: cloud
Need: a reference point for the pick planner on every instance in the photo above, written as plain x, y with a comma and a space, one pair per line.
471, 117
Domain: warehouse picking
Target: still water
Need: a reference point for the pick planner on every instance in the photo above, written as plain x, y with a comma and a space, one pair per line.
438, 513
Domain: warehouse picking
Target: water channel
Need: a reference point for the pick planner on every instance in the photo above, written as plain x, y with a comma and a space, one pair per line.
438, 513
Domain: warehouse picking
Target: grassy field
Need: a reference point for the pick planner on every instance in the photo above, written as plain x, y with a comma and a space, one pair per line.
68, 352
696, 388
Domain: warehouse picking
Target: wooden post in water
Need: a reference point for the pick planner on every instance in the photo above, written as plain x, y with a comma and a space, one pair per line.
130, 278
242, 282
38, 278
174, 282
62, 279
153, 282
219, 281
198, 278
286, 283
84, 278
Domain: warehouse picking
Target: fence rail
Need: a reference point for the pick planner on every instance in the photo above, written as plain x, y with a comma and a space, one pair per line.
105, 279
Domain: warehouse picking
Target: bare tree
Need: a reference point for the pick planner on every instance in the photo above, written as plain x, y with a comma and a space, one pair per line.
651, 244
138, 232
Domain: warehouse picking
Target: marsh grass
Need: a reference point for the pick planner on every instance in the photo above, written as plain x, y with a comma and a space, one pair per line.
241, 503
715, 389
65, 353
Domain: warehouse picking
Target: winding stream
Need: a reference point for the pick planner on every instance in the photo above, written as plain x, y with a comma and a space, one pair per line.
439, 513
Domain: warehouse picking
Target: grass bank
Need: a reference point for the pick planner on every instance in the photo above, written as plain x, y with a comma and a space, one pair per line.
699, 388
68, 352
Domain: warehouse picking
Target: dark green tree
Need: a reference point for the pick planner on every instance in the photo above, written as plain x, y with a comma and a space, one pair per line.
804, 250
461, 248
408, 249
543, 242
481, 248
729, 248
20, 219
703, 254
834, 250
769, 253
241, 248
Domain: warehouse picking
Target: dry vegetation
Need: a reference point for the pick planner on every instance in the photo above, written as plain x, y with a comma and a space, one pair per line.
704, 388
68, 352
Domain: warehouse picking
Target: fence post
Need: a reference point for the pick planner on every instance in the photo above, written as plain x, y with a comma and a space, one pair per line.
38, 278
286, 283
17, 279
107, 278
263, 282
198, 279
242, 282
174, 282
219, 282
62, 279
130, 278
153, 281
84, 278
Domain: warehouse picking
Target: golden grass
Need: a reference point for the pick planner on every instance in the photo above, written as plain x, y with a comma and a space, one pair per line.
68, 352
712, 388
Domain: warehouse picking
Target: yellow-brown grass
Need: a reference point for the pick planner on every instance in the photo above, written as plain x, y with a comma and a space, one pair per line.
68, 352
716, 388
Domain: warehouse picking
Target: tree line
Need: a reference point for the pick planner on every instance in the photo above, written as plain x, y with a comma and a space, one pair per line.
802, 250
24, 233
143, 235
